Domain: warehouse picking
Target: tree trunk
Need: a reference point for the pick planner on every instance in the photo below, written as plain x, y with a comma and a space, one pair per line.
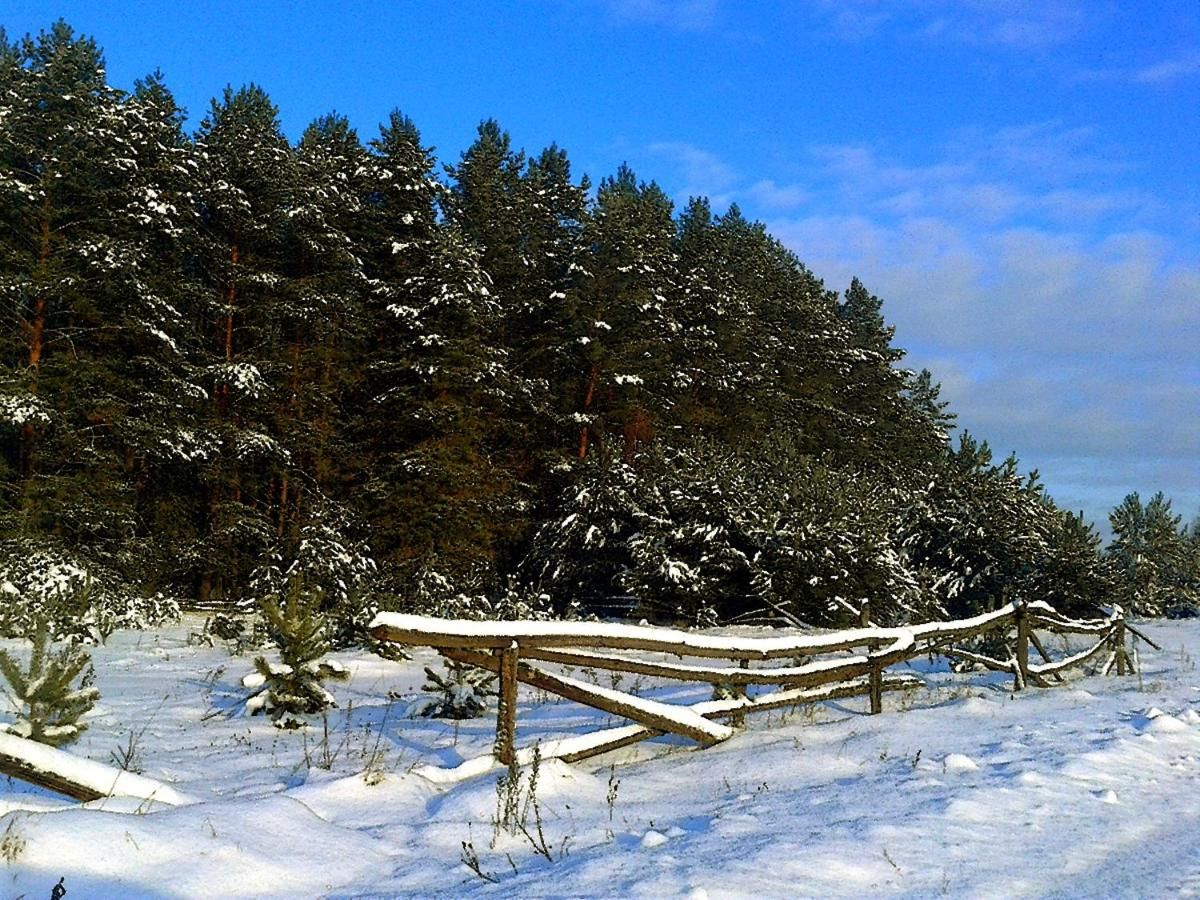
283, 503
37, 336
588, 397
231, 295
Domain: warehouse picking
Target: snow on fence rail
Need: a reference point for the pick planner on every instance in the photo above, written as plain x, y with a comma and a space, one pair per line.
816, 672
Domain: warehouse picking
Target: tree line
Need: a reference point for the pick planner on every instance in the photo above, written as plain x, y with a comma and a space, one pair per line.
484, 388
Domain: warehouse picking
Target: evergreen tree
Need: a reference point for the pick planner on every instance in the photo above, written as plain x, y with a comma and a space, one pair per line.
292, 689
248, 185
625, 317
441, 382
48, 704
1149, 552
99, 371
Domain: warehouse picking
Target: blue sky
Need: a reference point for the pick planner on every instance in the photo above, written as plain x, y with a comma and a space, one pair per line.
1017, 180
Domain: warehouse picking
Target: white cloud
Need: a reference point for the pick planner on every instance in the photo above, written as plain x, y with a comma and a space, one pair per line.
1014, 24
1163, 72
767, 194
1169, 69
682, 15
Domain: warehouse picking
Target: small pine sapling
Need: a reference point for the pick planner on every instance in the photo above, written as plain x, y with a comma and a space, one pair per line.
47, 705
292, 688
462, 691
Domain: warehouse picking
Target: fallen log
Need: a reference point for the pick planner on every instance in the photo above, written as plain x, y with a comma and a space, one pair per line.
76, 777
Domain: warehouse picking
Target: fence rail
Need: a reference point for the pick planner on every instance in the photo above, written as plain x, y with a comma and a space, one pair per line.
818, 668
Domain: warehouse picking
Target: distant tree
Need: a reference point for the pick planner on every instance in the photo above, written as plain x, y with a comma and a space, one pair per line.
1150, 553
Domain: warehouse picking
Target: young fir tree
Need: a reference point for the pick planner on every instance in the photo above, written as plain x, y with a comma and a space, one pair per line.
293, 688
48, 703
460, 693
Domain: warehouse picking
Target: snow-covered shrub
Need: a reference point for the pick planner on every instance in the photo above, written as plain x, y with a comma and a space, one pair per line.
292, 688
703, 534
460, 694
470, 595
225, 627
78, 600
581, 551
48, 705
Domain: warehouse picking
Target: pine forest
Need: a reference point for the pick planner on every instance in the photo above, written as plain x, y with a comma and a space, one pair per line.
479, 388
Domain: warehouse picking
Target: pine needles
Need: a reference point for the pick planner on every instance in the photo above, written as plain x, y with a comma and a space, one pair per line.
292, 688
47, 704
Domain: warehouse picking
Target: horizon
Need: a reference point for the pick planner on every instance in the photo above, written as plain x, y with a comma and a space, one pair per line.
1034, 242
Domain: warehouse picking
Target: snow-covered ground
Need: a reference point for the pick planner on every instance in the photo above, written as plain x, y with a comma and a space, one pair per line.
961, 788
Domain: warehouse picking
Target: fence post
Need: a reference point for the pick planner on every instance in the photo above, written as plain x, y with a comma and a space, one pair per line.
1119, 641
864, 619
1021, 676
506, 714
738, 719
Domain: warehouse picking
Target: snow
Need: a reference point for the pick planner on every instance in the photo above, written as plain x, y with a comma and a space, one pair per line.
97, 776
959, 788
959, 763
431, 630
23, 410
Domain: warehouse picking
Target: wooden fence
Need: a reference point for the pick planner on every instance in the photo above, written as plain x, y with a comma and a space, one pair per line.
802, 668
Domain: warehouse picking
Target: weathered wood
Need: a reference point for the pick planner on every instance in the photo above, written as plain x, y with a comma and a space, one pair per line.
506, 715
497, 646
876, 674
1033, 639
1021, 676
431, 632
1108, 660
989, 662
1118, 638
714, 709
1142, 636
1061, 625
428, 632
742, 675
738, 719
77, 777
618, 742
52, 781
876, 681
1077, 659
651, 713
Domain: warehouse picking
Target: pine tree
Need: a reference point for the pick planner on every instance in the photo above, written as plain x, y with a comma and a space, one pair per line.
293, 689
248, 187
91, 232
48, 704
439, 379
1149, 552
625, 317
